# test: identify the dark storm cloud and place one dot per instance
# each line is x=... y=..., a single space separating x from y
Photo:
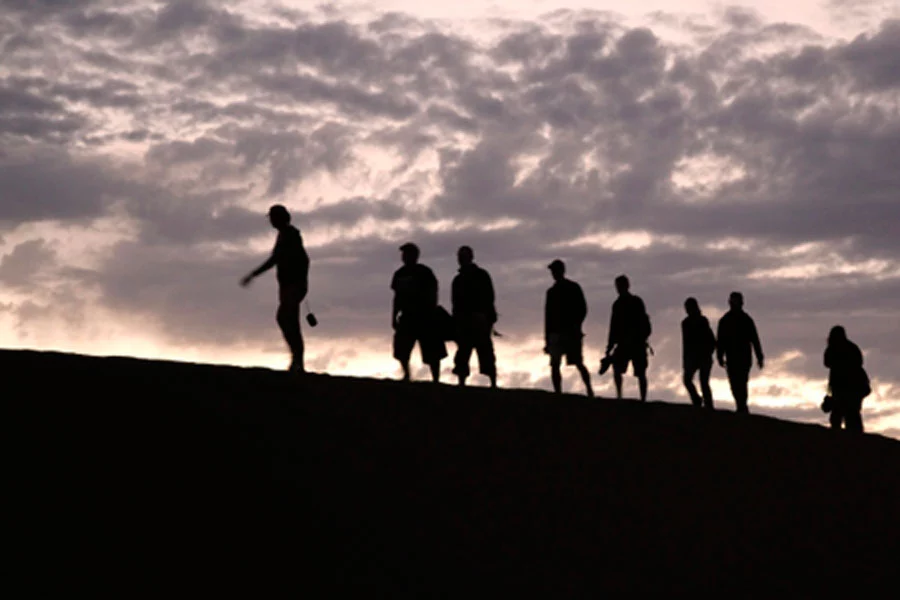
x=765 y=135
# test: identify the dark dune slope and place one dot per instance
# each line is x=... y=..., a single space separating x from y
x=141 y=474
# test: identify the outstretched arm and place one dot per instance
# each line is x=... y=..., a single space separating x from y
x=270 y=262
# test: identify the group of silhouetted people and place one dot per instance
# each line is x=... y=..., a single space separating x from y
x=418 y=318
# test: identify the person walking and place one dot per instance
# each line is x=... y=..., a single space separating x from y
x=413 y=313
x=737 y=338
x=291 y=264
x=848 y=382
x=474 y=315
x=565 y=309
x=698 y=343
x=629 y=331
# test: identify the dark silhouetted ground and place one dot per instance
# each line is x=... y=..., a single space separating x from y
x=132 y=475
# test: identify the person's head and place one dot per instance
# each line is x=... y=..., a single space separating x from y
x=837 y=334
x=465 y=256
x=279 y=216
x=736 y=300
x=409 y=252
x=557 y=269
x=622 y=284
x=692 y=307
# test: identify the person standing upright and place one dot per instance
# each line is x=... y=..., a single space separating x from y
x=291 y=261
x=737 y=340
x=698 y=343
x=848 y=381
x=629 y=330
x=564 y=312
x=413 y=313
x=474 y=316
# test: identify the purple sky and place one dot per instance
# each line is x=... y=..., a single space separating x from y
x=698 y=152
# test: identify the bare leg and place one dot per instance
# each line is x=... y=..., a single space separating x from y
x=555 y=375
x=704 y=386
x=288 y=318
x=642 y=386
x=405 y=365
x=435 y=371
x=617 y=378
x=586 y=378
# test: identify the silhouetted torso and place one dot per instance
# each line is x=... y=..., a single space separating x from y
x=416 y=290
x=292 y=261
x=473 y=293
x=737 y=339
x=628 y=322
x=698 y=341
x=565 y=308
x=845 y=362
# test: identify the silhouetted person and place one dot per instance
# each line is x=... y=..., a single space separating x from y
x=736 y=339
x=847 y=380
x=564 y=312
x=474 y=316
x=697 y=347
x=629 y=330
x=413 y=313
x=291 y=264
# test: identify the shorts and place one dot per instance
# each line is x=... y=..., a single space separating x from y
x=431 y=344
x=636 y=355
x=291 y=293
x=568 y=345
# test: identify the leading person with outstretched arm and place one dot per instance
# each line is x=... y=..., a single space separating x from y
x=291 y=262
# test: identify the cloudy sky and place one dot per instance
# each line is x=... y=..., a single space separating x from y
x=698 y=147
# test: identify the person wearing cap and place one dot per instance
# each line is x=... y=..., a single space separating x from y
x=737 y=337
x=629 y=330
x=413 y=313
x=564 y=312
x=291 y=264
x=474 y=316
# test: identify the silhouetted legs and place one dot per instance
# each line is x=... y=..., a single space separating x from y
x=586 y=378
x=707 y=400
x=408 y=332
x=638 y=359
x=738 y=378
x=288 y=318
x=847 y=412
x=475 y=335
x=556 y=375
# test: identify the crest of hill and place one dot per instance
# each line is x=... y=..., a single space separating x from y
x=209 y=476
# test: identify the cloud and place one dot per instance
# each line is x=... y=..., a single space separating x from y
x=749 y=155
x=20 y=267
